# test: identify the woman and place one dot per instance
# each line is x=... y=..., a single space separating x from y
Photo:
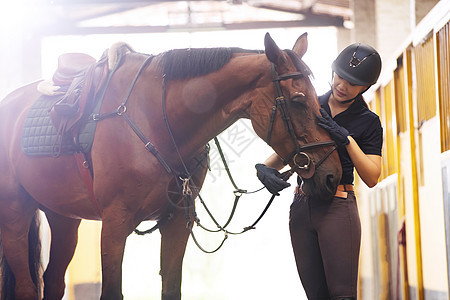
x=326 y=234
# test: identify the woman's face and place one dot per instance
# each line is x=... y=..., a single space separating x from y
x=344 y=90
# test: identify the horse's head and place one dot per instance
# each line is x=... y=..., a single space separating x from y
x=288 y=122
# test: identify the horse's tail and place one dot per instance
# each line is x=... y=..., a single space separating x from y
x=7 y=279
x=34 y=252
x=34 y=258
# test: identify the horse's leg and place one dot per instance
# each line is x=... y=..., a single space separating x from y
x=16 y=219
x=117 y=225
x=174 y=237
x=175 y=234
x=64 y=241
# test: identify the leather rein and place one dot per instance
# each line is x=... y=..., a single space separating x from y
x=302 y=162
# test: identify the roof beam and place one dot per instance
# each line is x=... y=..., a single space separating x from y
x=307 y=22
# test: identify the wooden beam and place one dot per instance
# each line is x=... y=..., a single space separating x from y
x=308 y=22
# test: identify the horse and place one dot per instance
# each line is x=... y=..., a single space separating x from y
x=157 y=114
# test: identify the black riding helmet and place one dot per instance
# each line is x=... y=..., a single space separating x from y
x=359 y=64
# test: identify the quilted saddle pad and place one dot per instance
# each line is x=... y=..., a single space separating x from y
x=39 y=135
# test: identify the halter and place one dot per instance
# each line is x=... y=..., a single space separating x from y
x=302 y=161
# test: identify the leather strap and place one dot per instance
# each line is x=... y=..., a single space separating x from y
x=85 y=173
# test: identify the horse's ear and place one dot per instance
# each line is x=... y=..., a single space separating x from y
x=301 y=45
x=273 y=52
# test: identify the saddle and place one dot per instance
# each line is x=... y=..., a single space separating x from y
x=70 y=66
x=81 y=77
x=77 y=87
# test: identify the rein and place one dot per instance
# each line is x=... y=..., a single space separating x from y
x=189 y=202
x=187 y=192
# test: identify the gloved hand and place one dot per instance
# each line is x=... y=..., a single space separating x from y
x=338 y=133
x=270 y=177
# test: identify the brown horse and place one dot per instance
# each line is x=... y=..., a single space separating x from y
x=157 y=115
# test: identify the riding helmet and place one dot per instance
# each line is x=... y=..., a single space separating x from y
x=359 y=64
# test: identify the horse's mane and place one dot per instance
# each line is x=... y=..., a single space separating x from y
x=192 y=62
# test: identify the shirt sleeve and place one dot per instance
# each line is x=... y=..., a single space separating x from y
x=372 y=140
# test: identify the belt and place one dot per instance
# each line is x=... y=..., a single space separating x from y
x=342 y=190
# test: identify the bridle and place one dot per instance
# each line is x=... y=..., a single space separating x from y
x=302 y=162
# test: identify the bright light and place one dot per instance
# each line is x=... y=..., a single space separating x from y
x=12 y=15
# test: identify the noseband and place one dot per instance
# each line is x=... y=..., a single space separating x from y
x=301 y=160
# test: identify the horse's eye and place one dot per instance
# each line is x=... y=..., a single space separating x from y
x=298 y=98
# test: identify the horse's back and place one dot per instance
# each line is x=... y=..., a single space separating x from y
x=13 y=109
x=13 y=106
x=20 y=97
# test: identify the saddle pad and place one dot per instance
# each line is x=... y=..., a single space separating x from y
x=39 y=136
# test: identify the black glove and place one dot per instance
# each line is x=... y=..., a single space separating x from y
x=270 y=177
x=338 y=133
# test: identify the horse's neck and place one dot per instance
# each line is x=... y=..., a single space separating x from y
x=218 y=99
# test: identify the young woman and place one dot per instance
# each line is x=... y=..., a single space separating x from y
x=326 y=234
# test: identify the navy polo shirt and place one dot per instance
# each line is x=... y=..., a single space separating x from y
x=363 y=125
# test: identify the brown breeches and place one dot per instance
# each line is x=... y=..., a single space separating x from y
x=326 y=238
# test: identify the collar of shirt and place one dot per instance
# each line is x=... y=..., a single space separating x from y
x=356 y=107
